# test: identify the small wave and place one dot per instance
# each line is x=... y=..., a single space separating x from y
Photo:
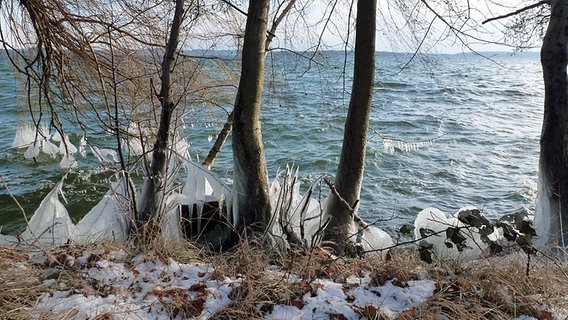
x=382 y=85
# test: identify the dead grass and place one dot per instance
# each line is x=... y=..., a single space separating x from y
x=499 y=288
x=20 y=283
x=495 y=288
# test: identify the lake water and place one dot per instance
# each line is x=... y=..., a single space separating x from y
x=476 y=122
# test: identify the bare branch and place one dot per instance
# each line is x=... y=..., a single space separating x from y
x=532 y=6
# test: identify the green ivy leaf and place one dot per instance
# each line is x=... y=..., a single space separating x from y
x=424 y=232
x=405 y=230
x=454 y=235
x=474 y=218
x=525 y=242
x=526 y=228
x=425 y=251
x=509 y=232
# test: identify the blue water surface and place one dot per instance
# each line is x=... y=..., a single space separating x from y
x=476 y=121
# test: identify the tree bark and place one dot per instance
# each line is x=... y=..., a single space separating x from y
x=550 y=218
x=352 y=162
x=250 y=187
x=224 y=134
x=154 y=185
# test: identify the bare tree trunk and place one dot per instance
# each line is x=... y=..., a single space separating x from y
x=352 y=162
x=153 y=189
x=250 y=186
x=224 y=134
x=550 y=218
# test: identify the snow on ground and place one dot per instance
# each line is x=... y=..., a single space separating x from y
x=156 y=287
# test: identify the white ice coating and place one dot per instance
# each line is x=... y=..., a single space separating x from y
x=303 y=215
x=37 y=141
x=25 y=135
x=50 y=148
x=50 y=223
x=104 y=155
x=108 y=220
x=33 y=150
x=437 y=221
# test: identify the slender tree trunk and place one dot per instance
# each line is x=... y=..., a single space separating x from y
x=153 y=189
x=224 y=134
x=250 y=186
x=551 y=215
x=219 y=142
x=352 y=162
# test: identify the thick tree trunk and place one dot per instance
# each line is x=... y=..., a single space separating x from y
x=153 y=189
x=250 y=189
x=352 y=162
x=551 y=218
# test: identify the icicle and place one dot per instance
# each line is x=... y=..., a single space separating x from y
x=181 y=145
x=50 y=223
x=542 y=216
x=202 y=186
x=406 y=146
x=134 y=146
x=82 y=144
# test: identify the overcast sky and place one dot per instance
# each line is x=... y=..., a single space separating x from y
x=399 y=31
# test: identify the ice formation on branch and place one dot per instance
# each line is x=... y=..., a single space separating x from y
x=301 y=219
x=39 y=140
x=200 y=198
x=109 y=220
x=25 y=135
x=50 y=223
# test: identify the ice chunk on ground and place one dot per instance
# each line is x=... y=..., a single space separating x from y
x=433 y=220
x=375 y=239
